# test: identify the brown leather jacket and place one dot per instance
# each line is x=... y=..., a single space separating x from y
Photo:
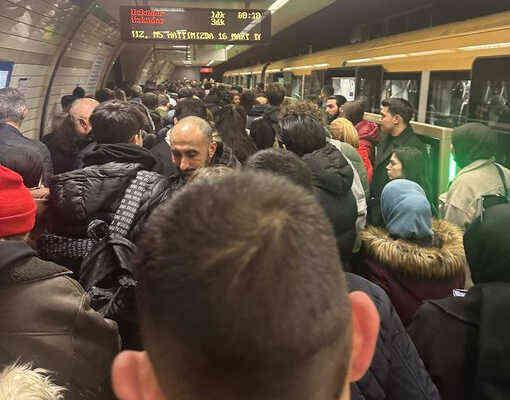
x=46 y=319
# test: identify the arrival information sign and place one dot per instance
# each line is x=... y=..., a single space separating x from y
x=198 y=25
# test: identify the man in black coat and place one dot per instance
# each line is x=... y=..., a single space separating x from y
x=72 y=136
x=30 y=158
x=332 y=175
x=264 y=129
x=79 y=196
x=185 y=108
x=464 y=341
x=397 y=371
x=397 y=132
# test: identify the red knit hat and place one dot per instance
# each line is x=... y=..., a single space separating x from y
x=17 y=207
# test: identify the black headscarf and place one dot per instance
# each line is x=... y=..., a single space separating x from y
x=487 y=246
x=473 y=141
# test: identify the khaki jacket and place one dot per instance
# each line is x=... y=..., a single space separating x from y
x=462 y=204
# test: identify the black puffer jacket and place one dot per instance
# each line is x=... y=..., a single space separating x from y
x=332 y=179
x=95 y=192
x=255 y=112
x=396 y=372
x=29 y=158
x=263 y=130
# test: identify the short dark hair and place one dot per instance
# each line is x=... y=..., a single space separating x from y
x=301 y=133
x=185 y=92
x=398 y=106
x=473 y=141
x=105 y=94
x=246 y=285
x=79 y=92
x=67 y=101
x=150 y=100
x=354 y=111
x=275 y=94
x=116 y=121
x=190 y=107
x=340 y=100
x=284 y=163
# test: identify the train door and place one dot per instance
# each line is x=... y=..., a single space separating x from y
x=448 y=99
x=489 y=100
x=343 y=81
x=313 y=85
x=368 y=86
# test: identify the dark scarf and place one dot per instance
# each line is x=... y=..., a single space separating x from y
x=120 y=152
x=487 y=246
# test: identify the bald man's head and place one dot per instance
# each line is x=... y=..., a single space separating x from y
x=192 y=145
x=80 y=113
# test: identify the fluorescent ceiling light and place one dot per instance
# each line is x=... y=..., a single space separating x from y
x=390 y=57
x=321 y=65
x=229 y=47
x=359 y=60
x=430 y=52
x=210 y=63
x=272 y=70
x=486 y=46
x=277 y=5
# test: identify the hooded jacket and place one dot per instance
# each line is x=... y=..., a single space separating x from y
x=409 y=272
x=463 y=201
x=46 y=320
x=255 y=112
x=396 y=371
x=332 y=180
x=473 y=329
x=29 y=158
x=263 y=130
x=95 y=192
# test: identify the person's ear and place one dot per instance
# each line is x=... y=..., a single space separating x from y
x=397 y=120
x=365 y=329
x=175 y=121
x=212 y=149
x=133 y=377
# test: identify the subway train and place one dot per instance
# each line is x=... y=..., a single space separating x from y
x=162 y=237
x=451 y=74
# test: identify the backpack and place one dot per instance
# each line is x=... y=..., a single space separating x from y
x=106 y=270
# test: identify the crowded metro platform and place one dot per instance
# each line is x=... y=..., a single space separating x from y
x=269 y=224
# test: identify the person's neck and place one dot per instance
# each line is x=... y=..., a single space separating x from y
x=398 y=130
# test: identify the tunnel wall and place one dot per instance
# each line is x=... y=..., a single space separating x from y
x=61 y=39
x=30 y=36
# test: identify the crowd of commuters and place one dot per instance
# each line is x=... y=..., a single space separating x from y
x=187 y=240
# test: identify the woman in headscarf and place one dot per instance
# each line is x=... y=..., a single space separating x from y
x=464 y=341
x=474 y=148
x=414 y=258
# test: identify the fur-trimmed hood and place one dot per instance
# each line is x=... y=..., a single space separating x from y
x=441 y=261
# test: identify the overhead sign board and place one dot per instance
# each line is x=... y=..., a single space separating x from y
x=196 y=25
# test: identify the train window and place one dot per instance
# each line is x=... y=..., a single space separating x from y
x=5 y=74
x=405 y=86
x=448 y=98
x=489 y=100
x=313 y=85
x=296 y=83
x=248 y=81
x=368 y=86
